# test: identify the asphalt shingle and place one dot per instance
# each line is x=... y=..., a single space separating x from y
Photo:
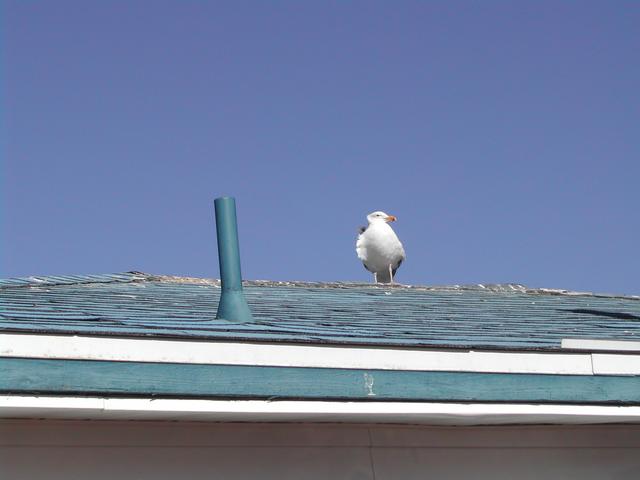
x=501 y=317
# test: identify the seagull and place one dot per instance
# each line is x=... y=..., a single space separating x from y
x=379 y=248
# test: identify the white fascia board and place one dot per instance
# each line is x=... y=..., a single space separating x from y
x=278 y=355
x=311 y=411
x=611 y=364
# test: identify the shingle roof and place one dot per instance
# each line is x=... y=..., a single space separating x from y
x=492 y=317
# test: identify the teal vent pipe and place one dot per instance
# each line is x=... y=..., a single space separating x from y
x=233 y=306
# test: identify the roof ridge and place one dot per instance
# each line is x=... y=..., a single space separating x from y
x=52 y=280
x=487 y=287
x=136 y=276
x=494 y=287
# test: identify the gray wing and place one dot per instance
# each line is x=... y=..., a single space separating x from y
x=361 y=230
x=394 y=269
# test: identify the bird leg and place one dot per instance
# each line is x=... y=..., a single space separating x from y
x=375 y=277
x=390 y=273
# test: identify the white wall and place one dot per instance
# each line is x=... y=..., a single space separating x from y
x=69 y=450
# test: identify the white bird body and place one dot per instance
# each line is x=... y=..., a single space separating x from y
x=379 y=248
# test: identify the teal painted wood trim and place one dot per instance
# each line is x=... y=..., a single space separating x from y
x=18 y=375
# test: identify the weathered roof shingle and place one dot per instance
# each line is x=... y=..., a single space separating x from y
x=480 y=317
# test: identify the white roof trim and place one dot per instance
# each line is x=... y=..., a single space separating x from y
x=310 y=411
x=611 y=364
x=278 y=355
x=600 y=345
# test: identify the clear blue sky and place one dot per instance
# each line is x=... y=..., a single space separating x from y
x=505 y=136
